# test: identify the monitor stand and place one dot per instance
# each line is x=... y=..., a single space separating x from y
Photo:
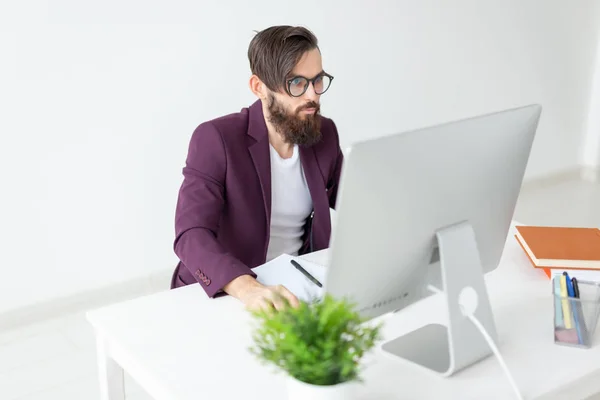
x=446 y=350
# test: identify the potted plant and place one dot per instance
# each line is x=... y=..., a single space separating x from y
x=318 y=344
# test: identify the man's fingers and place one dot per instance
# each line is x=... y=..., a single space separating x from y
x=293 y=300
x=262 y=304
x=277 y=298
x=279 y=303
x=267 y=306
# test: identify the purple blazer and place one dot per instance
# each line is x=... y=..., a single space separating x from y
x=223 y=210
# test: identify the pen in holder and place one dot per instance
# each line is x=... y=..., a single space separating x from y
x=576 y=310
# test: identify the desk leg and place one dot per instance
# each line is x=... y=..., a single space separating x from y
x=110 y=373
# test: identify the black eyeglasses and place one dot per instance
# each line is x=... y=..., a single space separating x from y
x=298 y=85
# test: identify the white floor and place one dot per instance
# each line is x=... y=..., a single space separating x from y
x=55 y=360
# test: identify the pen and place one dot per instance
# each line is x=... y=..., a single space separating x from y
x=569 y=283
x=575 y=307
x=575 y=287
x=305 y=273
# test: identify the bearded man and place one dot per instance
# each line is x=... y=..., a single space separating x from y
x=259 y=183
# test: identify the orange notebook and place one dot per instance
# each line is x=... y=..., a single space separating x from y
x=560 y=247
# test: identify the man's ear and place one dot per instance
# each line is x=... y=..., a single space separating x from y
x=257 y=87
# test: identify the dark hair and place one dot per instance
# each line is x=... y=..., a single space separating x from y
x=274 y=52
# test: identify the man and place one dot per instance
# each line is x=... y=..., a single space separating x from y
x=259 y=183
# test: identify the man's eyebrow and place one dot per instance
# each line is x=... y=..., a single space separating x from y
x=297 y=75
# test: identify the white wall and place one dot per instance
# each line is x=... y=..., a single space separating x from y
x=98 y=101
x=590 y=146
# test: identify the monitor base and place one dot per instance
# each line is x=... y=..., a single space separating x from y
x=447 y=350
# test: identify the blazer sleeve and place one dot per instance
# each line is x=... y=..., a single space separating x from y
x=334 y=180
x=199 y=206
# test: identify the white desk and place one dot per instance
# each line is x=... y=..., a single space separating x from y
x=180 y=345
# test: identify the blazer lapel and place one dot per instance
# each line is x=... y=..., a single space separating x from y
x=316 y=187
x=259 y=151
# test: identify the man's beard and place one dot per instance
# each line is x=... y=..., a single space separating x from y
x=294 y=128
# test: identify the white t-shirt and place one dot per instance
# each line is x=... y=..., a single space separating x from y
x=291 y=204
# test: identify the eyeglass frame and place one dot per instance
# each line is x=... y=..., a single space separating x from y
x=308 y=83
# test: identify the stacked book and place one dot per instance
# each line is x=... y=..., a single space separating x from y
x=558 y=249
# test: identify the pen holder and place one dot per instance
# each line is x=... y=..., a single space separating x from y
x=575 y=318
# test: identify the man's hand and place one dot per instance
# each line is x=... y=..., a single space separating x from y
x=256 y=296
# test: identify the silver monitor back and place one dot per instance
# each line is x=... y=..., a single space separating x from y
x=398 y=191
x=430 y=210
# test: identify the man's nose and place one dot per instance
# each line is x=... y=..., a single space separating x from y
x=310 y=94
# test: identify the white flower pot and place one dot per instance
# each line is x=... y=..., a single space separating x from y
x=298 y=390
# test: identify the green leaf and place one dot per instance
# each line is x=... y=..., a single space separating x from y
x=319 y=342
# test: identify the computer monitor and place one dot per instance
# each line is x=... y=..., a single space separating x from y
x=430 y=208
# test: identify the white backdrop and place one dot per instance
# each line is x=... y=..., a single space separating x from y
x=98 y=102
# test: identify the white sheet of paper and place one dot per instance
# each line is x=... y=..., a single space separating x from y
x=280 y=271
